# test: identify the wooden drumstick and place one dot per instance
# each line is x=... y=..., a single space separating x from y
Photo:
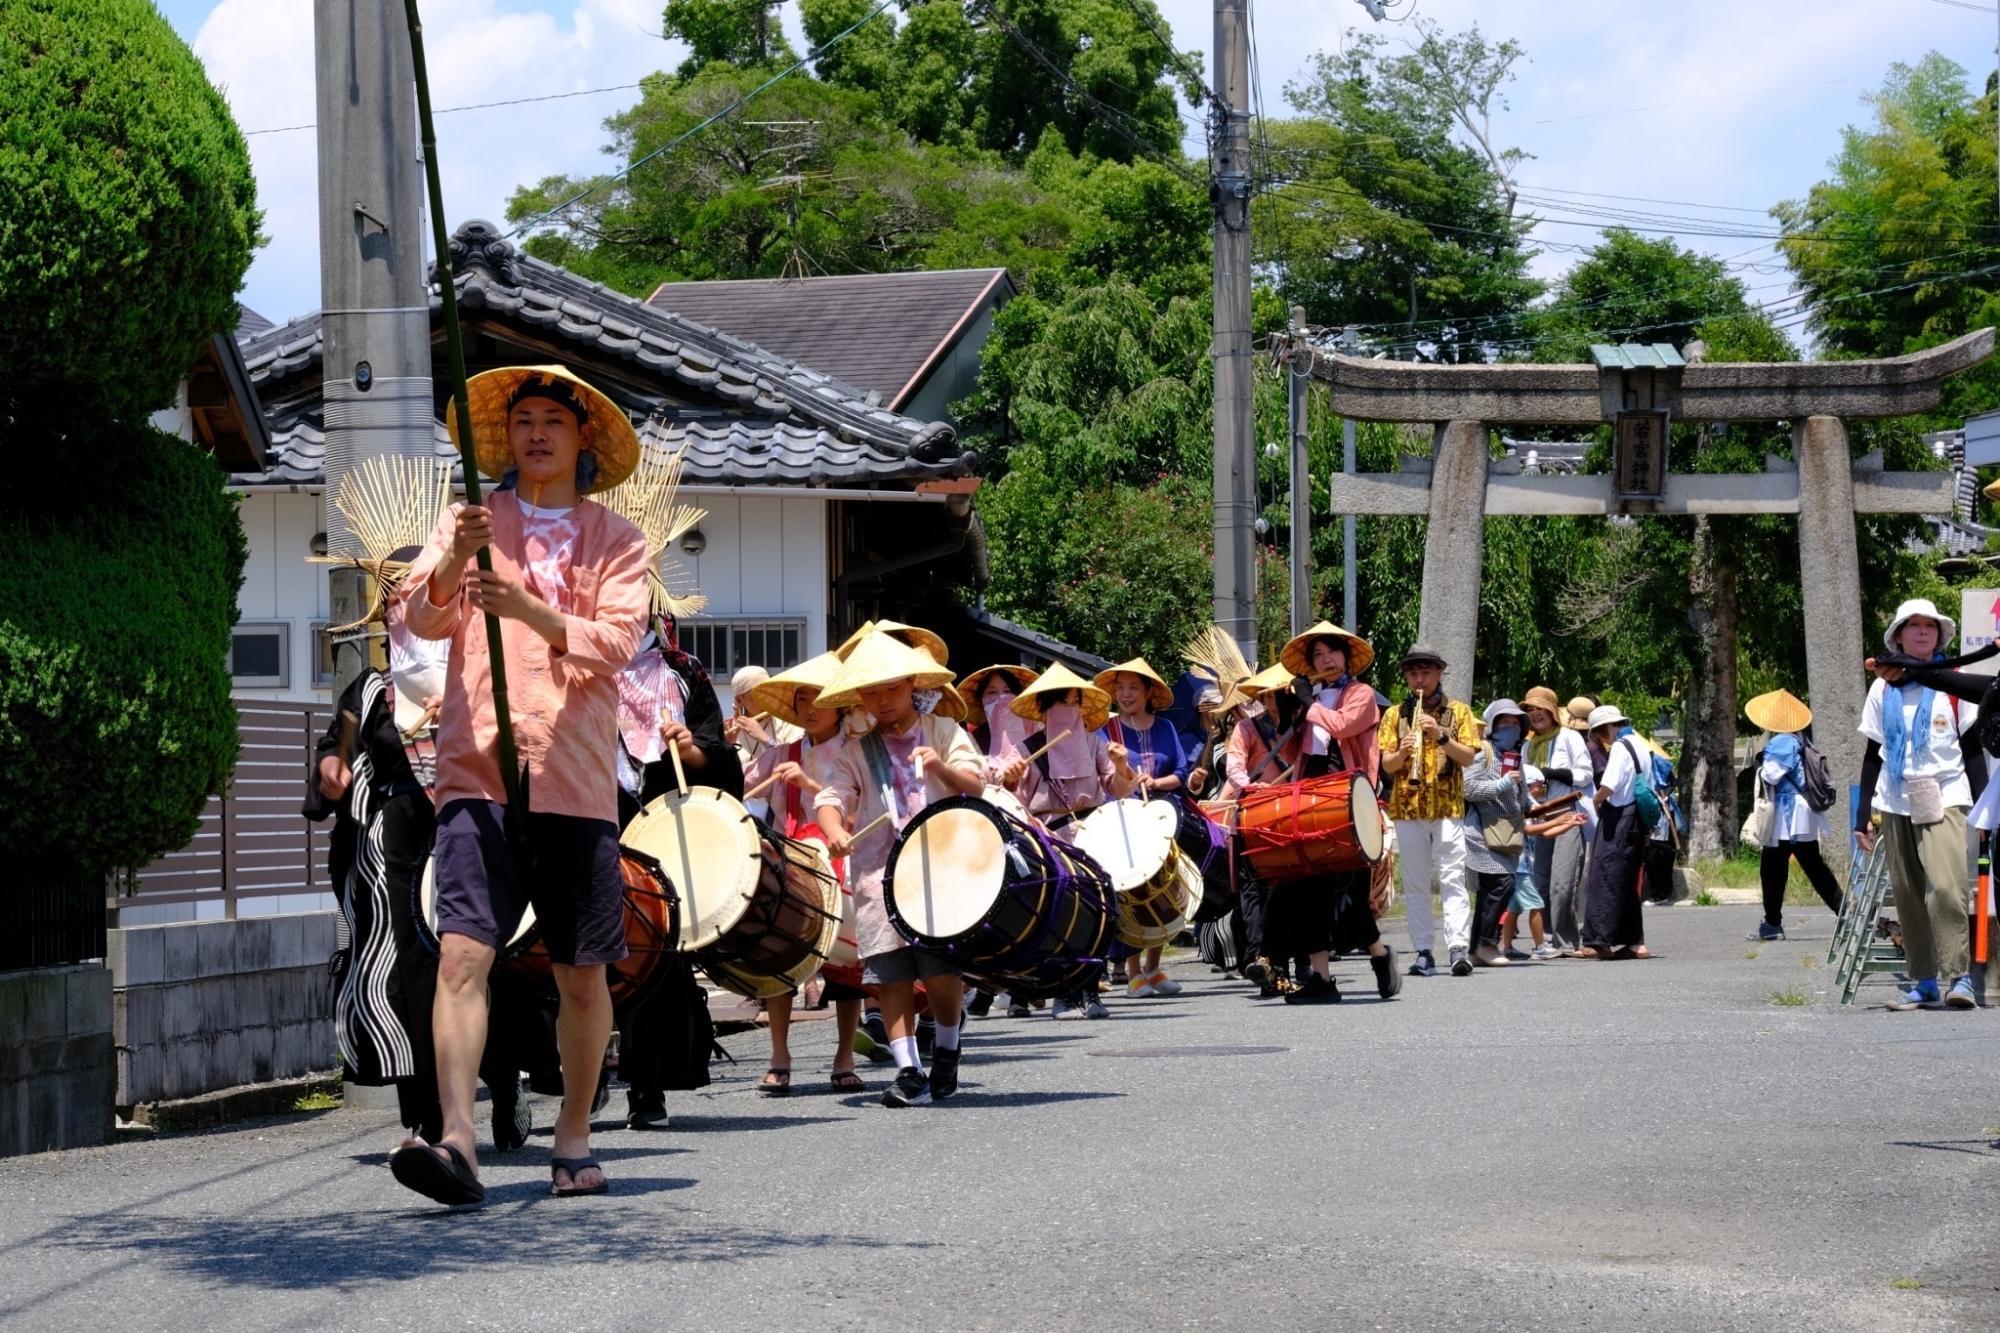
x=760 y=788
x=1031 y=758
x=868 y=828
x=680 y=774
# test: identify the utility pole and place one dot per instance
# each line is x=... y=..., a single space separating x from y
x=374 y=303
x=1298 y=384
x=1350 y=609
x=1235 y=450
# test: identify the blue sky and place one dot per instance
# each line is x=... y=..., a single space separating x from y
x=1727 y=104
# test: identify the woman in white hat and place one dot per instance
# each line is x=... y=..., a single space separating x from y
x=1613 y=924
x=1795 y=828
x=1914 y=780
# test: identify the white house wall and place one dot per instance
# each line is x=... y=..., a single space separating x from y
x=278 y=584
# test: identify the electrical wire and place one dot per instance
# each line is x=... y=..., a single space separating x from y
x=474 y=106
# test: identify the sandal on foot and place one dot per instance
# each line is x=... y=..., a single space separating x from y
x=777 y=1083
x=448 y=1180
x=576 y=1166
x=846 y=1080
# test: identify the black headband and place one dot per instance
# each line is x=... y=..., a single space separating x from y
x=560 y=392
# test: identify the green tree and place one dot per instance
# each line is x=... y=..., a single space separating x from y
x=130 y=213
x=129 y=226
x=738 y=31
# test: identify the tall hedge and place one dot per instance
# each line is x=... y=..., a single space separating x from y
x=115 y=719
x=127 y=209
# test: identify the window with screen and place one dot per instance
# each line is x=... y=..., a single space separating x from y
x=260 y=655
x=725 y=645
x=322 y=655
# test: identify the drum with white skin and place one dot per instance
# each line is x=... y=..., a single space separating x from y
x=1133 y=840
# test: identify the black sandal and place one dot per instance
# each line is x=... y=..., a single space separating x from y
x=576 y=1166
x=447 y=1180
x=846 y=1080
x=781 y=1088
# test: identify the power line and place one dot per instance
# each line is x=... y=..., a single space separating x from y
x=476 y=106
x=729 y=110
x=1140 y=9
x=1966 y=4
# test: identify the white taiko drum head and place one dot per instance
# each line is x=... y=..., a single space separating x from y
x=949 y=869
x=1368 y=830
x=1131 y=839
x=1005 y=800
x=707 y=845
x=427 y=900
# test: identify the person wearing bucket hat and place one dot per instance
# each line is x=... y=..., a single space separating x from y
x=1556 y=863
x=1915 y=782
x=1498 y=831
x=569 y=587
x=1153 y=752
x=904 y=761
x=1791 y=827
x=1613 y=922
x=1425 y=745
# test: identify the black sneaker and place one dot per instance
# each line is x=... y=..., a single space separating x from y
x=1315 y=990
x=982 y=1004
x=1257 y=970
x=1423 y=965
x=876 y=1028
x=1020 y=1009
x=911 y=1088
x=646 y=1110
x=1768 y=933
x=1461 y=963
x=944 y=1074
x=1388 y=981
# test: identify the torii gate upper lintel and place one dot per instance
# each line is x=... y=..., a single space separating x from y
x=1823 y=485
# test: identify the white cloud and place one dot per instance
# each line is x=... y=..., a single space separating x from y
x=260 y=52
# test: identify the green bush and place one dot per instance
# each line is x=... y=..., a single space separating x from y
x=129 y=212
x=115 y=717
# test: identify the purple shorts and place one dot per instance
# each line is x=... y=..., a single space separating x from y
x=573 y=883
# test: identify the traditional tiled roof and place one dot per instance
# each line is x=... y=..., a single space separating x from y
x=763 y=418
x=882 y=331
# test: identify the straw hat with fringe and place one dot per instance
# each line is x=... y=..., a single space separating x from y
x=392 y=504
x=881 y=660
x=1778 y=712
x=914 y=635
x=778 y=695
x=1059 y=680
x=613 y=440
x=650 y=500
x=1214 y=653
x=1297 y=655
x=1159 y=694
x=973 y=686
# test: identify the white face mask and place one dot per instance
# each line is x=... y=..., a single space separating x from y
x=416 y=669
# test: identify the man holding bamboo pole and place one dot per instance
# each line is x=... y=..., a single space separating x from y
x=568 y=584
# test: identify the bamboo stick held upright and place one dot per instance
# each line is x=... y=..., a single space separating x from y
x=510 y=766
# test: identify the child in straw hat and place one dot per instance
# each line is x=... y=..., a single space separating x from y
x=1560 y=754
x=903 y=762
x=1794 y=828
x=1153 y=753
x=569 y=586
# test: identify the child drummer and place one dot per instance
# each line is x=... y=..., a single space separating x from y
x=879 y=781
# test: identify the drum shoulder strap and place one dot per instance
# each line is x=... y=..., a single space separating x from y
x=876 y=753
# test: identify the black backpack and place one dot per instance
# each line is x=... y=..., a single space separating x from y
x=1819 y=790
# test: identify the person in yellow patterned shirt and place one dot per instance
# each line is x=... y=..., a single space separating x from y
x=1426 y=744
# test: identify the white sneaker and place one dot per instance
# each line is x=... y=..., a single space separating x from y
x=1063 y=1009
x=1544 y=952
x=1163 y=984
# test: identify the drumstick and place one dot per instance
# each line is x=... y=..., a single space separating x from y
x=867 y=828
x=680 y=774
x=760 y=788
x=1029 y=759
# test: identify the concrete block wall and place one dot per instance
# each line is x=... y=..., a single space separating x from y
x=56 y=1070
x=207 y=1005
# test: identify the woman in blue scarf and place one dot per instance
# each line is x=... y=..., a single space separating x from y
x=1795 y=828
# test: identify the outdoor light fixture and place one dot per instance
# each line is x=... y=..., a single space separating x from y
x=364 y=376
x=317 y=546
x=694 y=543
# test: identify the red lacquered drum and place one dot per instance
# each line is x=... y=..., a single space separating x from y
x=1318 y=827
x=652 y=928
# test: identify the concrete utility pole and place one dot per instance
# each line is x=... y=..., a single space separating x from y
x=1298 y=381
x=1235 y=449
x=374 y=309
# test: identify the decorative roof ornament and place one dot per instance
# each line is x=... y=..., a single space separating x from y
x=480 y=244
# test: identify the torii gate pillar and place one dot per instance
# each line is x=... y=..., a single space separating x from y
x=1830 y=579
x=1455 y=550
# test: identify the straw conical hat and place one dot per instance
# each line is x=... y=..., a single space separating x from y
x=974 y=685
x=649 y=500
x=778 y=694
x=1158 y=693
x=952 y=704
x=914 y=635
x=1059 y=679
x=879 y=660
x=1274 y=677
x=614 y=441
x=1779 y=711
x=1296 y=655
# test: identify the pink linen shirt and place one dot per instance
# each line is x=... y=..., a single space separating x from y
x=564 y=704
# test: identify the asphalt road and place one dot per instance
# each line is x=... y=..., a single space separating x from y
x=1576 y=1145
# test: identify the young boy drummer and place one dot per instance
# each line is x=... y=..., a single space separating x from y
x=901 y=764
x=569 y=586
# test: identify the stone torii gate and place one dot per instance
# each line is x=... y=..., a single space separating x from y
x=1460 y=484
